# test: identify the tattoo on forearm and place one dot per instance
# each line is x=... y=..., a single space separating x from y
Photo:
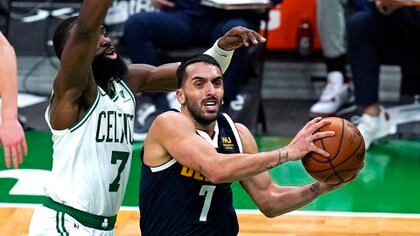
x=314 y=188
x=280 y=159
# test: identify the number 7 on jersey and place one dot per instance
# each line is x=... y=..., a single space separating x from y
x=207 y=191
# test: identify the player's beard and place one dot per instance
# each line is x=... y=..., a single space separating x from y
x=198 y=115
x=105 y=69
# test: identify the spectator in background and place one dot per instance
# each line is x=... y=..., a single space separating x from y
x=386 y=34
x=182 y=24
x=337 y=96
x=11 y=131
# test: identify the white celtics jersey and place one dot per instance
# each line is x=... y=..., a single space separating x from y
x=91 y=160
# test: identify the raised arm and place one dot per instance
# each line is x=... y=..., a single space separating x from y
x=270 y=198
x=163 y=78
x=174 y=135
x=74 y=87
x=11 y=132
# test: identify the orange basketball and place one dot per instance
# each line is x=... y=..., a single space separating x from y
x=346 y=149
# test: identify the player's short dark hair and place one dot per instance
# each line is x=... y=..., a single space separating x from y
x=61 y=34
x=181 y=71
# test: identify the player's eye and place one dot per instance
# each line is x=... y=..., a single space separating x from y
x=217 y=83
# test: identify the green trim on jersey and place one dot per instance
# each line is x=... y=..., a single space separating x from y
x=115 y=96
x=87 y=114
x=129 y=91
x=102 y=92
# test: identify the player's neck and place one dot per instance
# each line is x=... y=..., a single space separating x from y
x=205 y=127
x=209 y=129
x=107 y=87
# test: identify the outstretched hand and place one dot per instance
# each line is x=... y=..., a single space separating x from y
x=163 y=4
x=303 y=142
x=238 y=36
x=386 y=7
x=14 y=143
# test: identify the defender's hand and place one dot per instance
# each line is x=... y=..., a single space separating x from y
x=162 y=4
x=303 y=142
x=14 y=143
x=386 y=7
x=238 y=36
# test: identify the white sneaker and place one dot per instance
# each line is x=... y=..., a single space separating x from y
x=375 y=127
x=337 y=97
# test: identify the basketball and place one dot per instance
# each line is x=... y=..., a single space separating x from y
x=346 y=149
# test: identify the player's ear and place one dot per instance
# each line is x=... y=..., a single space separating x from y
x=180 y=96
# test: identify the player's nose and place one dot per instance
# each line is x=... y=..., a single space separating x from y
x=105 y=41
x=210 y=89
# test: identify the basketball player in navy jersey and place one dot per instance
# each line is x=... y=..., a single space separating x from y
x=191 y=157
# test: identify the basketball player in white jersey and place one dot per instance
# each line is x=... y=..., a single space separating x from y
x=91 y=115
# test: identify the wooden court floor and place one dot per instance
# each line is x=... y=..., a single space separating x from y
x=15 y=221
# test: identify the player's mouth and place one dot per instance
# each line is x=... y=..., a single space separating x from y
x=211 y=105
x=111 y=53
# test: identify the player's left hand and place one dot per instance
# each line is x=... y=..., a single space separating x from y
x=387 y=7
x=14 y=142
x=325 y=188
x=238 y=36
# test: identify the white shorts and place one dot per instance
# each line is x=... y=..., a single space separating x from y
x=46 y=221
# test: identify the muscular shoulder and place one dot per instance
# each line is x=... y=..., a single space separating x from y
x=248 y=141
x=171 y=122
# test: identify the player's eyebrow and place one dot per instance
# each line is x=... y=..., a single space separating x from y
x=202 y=78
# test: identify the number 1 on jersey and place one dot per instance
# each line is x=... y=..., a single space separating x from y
x=207 y=191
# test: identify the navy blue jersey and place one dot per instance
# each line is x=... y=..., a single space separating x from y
x=175 y=200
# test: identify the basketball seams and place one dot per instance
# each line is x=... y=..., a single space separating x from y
x=333 y=167
x=313 y=158
x=338 y=152
x=351 y=155
x=345 y=160
x=341 y=140
x=323 y=146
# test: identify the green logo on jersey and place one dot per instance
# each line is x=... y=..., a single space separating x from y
x=122 y=94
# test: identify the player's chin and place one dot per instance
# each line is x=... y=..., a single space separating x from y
x=211 y=116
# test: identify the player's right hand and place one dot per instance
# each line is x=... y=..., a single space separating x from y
x=238 y=36
x=386 y=7
x=162 y=4
x=303 y=142
x=14 y=143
